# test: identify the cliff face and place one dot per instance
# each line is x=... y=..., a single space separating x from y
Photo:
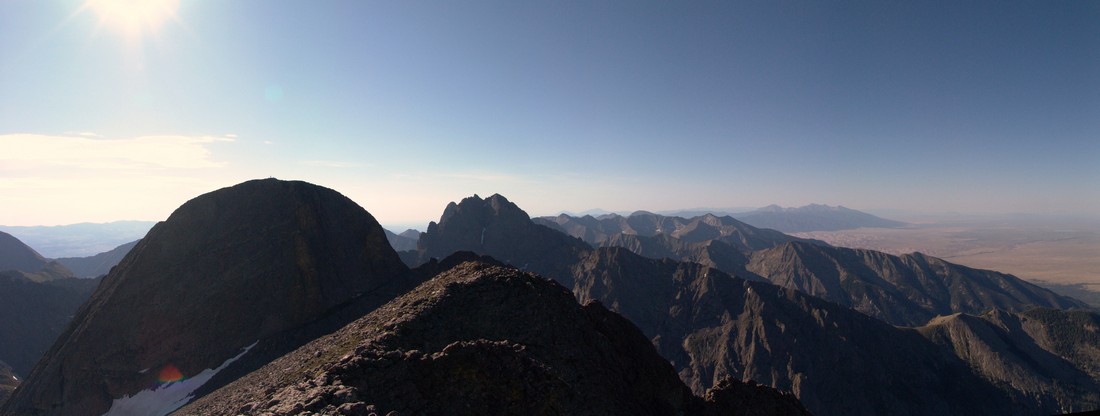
x=712 y=326
x=479 y=339
x=226 y=270
x=1050 y=356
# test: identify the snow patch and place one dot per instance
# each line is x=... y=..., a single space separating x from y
x=165 y=399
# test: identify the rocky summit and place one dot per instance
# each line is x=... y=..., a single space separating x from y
x=224 y=272
x=481 y=339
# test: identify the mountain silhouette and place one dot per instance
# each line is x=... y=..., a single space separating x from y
x=18 y=257
x=813 y=217
x=99 y=264
x=708 y=227
x=225 y=271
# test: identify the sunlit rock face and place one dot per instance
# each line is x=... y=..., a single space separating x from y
x=226 y=269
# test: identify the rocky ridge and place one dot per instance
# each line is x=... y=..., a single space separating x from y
x=99 y=264
x=903 y=290
x=597 y=231
x=480 y=339
x=20 y=258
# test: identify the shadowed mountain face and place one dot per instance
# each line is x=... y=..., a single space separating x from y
x=8 y=381
x=813 y=218
x=837 y=361
x=401 y=242
x=226 y=269
x=907 y=290
x=490 y=338
x=1050 y=356
x=99 y=264
x=16 y=256
x=597 y=231
x=33 y=314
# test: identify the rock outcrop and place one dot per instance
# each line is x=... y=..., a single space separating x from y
x=495 y=226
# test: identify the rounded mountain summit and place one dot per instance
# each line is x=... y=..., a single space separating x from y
x=227 y=269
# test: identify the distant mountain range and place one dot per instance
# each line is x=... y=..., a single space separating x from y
x=79 y=240
x=275 y=297
x=813 y=218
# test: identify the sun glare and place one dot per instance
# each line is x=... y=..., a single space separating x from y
x=133 y=17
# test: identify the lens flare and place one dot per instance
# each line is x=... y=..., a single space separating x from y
x=133 y=17
x=169 y=374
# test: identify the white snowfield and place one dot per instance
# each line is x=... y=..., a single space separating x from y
x=168 y=397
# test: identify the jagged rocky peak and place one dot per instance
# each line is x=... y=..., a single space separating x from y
x=493 y=340
x=497 y=227
x=225 y=270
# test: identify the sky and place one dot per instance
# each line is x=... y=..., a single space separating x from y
x=125 y=109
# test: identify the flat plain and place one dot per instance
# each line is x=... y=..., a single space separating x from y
x=1062 y=254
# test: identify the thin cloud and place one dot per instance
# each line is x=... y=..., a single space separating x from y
x=331 y=164
x=32 y=152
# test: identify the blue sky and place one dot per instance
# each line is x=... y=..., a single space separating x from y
x=565 y=105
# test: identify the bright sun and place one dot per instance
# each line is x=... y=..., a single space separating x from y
x=133 y=17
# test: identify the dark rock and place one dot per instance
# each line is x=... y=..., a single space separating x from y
x=226 y=269
x=33 y=314
x=477 y=339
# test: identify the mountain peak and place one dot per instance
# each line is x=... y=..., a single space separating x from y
x=226 y=269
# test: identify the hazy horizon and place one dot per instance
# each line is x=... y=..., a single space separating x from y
x=111 y=111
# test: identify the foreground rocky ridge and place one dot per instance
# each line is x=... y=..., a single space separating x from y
x=480 y=339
